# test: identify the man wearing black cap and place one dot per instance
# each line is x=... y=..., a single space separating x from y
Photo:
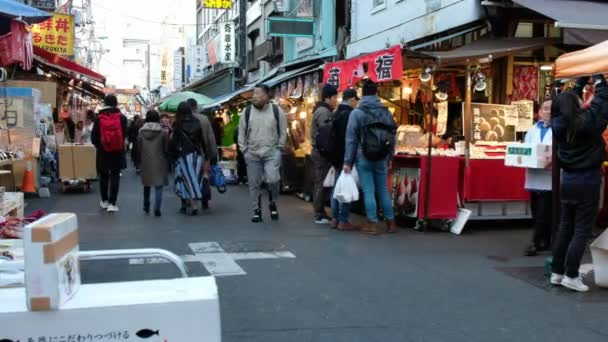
x=322 y=115
x=341 y=211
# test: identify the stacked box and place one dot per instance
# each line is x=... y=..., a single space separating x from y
x=52 y=270
x=77 y=162
x=533 y=156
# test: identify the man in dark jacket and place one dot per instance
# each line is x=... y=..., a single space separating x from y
x=341 y=211
x=109 y=163
x=322 y=115
x=580 y=149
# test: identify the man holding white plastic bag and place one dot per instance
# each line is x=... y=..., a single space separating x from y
x=370 y=140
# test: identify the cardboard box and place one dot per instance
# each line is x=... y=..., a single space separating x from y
x=533 y=156
x=52 y=271
x=176 y=310
x=77 y=162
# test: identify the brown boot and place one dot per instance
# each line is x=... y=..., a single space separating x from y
x=391 y=227
x=334 y=224
x=370 y=228
x=348 y=226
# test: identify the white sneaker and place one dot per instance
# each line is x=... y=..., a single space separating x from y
x=104 y=205
x=575 y=284
x=556 y=279
x=113 y=209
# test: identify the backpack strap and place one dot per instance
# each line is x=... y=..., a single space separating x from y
x=275 y=110
x=247 y=116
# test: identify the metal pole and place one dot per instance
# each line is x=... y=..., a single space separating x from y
x=427 y=190
x=467 y=116
x=243 y=39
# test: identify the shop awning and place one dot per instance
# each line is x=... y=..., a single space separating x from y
x=13 y=9
x=571 y=13
x=66 y=65
x=218 y=101
x=485 y=49
x=291 y=74
x=585 y=62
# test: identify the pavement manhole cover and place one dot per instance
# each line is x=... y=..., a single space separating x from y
x=252 y=246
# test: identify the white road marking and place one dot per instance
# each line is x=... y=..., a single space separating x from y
x=217 y=262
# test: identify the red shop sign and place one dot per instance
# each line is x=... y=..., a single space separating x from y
x=382 y=66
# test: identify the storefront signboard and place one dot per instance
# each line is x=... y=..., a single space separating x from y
x=217 y=4
x=198 y=61
x=382 y=66
x=55 y=35
x=525 y=115
x=493 y=122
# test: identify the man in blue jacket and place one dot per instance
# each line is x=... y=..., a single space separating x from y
x=373 y=171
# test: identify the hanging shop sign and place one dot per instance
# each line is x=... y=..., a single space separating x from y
x=178 y=75
x=382 y=66
x=198 y=61
x=55 y=34
x=290 y=27
x=217 y=4
x=164 y=66
x=227 y=43
x=493 y=122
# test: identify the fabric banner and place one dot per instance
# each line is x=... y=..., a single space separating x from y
x=382 y=66
x=525 y=82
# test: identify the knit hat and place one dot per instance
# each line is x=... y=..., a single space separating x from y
x=328 y=91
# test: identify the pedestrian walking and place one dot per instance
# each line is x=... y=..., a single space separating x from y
x=580 y=148
x=322 y=115
x=108 y=136
x=539 y=184
x=153 y=143
x=167 y=125
x=209 y=143
x=370 y=143
x=187 y=150
x=134 y=128
x=87 y=129
x=341 y=211
x=262 y=135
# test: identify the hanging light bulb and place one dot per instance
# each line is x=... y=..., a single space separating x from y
x=426 y=76
x=303 y=115
x=407 y=90
x=480 y=84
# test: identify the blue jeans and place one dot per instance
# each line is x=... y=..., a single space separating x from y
x=373 y=177
x=158 y=197
x=340 y=210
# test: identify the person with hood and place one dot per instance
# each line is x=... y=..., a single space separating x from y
x=153 y=154
x=262 y=136
x=341 y=211
x=209 y=142
x=370 y=143
x=108 y=136
x=322 y=115
x=580 y=149
x=188 y=153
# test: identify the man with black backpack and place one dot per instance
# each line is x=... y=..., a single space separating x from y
x=322 y=119
x=262 y=135
x=370 y=142
x=108 y=136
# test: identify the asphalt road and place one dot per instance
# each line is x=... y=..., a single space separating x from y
x=344 y=286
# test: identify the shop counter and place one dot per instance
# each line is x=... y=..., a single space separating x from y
x=159 y=310
x=489 y=180
x=409 y=179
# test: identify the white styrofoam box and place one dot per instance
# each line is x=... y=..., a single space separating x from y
x=52 y=270
x=175 y=310
x=462 y=218
x=599 y=254
x=533 y=156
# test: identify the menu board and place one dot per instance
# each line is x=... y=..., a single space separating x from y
x=493 y=122
x=525 y=115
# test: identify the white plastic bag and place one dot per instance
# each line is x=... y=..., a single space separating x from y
x=355 y=175
x=346 y=190
x=330 y=179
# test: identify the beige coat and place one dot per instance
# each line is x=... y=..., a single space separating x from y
x=153 y=144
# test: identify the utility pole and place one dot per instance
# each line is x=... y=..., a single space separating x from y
x=243 y=39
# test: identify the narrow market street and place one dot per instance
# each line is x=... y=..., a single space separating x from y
x=296 y=281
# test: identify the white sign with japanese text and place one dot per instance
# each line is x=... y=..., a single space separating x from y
x=227 y=43
x=198 y=62
x=178 y=79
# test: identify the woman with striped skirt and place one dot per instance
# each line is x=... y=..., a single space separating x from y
x=189 y=159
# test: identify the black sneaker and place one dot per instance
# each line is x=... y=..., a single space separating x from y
x=274 y=212
x=157 y=213
x=147 y=211
x=257 y=216
x=205 y=205
x=322 y=220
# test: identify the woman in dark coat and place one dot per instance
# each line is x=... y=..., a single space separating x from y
x=189 y=160
x=153 y=154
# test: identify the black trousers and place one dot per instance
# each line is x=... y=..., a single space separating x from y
x=542 y=213
x=109 y=179
x=579 y=206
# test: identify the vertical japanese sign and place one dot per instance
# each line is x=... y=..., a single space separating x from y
x=217 y=3
x=164 y=66
x=55 y=35
x=305 y=9
x=198 y=61
x=227 y=42
x=382 y=66
x=178 y=64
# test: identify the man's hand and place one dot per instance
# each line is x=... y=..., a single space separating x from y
x=347 y=169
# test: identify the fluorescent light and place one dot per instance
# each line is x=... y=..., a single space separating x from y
x=546 y=67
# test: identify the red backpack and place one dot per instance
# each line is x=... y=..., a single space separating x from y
x=110 y=127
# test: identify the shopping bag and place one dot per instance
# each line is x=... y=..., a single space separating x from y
x=330 y=179
x=346 y=190
x=218 y=179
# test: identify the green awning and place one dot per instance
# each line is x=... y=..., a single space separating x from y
x=170 y=104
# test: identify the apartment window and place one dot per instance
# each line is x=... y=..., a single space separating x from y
x=378 y=5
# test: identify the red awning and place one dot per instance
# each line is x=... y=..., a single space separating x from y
x=66 y=65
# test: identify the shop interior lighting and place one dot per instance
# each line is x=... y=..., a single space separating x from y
x=441 y=96
x=480 y=82
x=293 y=110
x=407 y=90
x=310 y=100
x=303 y=115
x=546 y=67
x=48 y=75
x=426 y=76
